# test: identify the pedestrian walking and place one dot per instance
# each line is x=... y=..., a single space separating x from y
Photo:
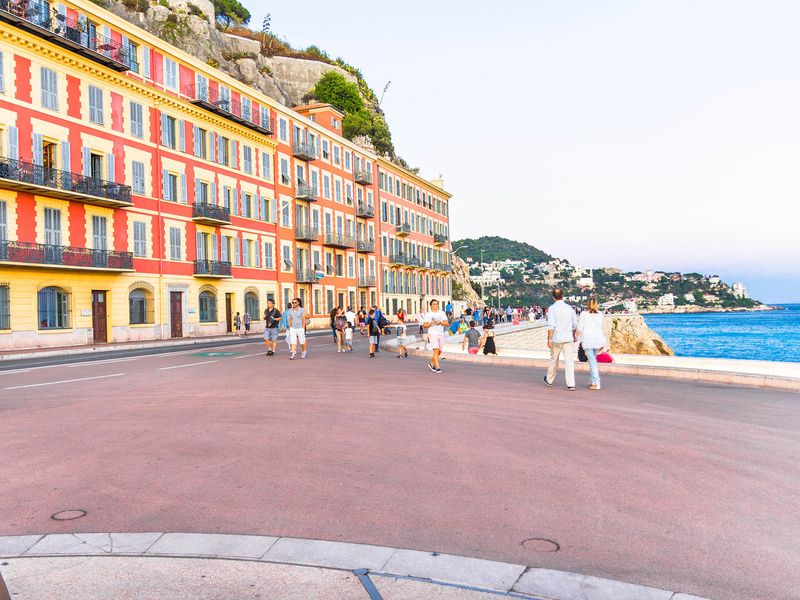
x=374 y=331
x=401 y=334
x=348 y=338
x=362 y=320
x=247 y=321
x=472 y=339
x=562 y=325
x=237 y=324
x=435 y=320
x=334 y=311
x=382 y=324
x=298 y=319
x=339 y=325
x=592 y=339
x=272 y=320
x=350 y=316
x=448 y=309
x=487 y=341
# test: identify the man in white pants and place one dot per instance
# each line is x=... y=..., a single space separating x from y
x=298 y=319
x=562 y=325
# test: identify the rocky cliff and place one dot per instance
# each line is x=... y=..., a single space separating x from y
x=462 y=289
x=629 y=334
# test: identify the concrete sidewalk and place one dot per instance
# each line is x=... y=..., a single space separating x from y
x=97 y=566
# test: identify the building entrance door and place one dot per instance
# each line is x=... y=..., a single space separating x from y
x=176 y=314
x=228 y=313
x=99 y=323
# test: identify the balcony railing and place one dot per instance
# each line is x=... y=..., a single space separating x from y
x=365 y=211
x=210 y=214
x=304 y=191
x=397 y=259
x=367 y=246
x=304 y=150
x=212 y=268
x=210 y=99
x=445 y=267
x=306 y=233
x=439 y=239
x=363 y=177
x=366 y=281
x=46 y=22
x=338 y=240
x=305 y=276
x=23 y=175
x=67 y=257
x=412 y=261
x=403 y=230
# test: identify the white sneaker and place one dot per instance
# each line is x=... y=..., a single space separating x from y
x=291 y=356
x=303 y=355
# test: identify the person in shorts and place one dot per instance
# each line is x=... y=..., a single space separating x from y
x=247 y=322
x=298 y=319
x=272 y=321
x=374 y=330
x=401 y=335
x=348 y=337
x=472 y=339
x=435 y=320
x=237 y=324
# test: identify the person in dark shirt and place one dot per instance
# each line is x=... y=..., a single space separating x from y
x=272 y=321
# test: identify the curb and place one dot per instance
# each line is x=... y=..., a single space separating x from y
x=477 y=574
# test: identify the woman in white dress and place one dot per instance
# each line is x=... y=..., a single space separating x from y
x=592 y=338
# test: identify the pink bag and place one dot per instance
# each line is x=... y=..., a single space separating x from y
x=604 y=357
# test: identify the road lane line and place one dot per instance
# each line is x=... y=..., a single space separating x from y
x=207 y=362
x=87 y=363
x=14 y=371
x=249 y=355
x=30 y=385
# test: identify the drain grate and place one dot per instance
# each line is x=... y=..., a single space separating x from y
x=541 y=545
x=68 y=515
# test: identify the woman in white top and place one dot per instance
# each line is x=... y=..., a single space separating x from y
x=592 y=338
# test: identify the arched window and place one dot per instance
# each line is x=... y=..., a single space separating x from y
x=208 y=307
x=251 y=305
x=53 y=308
x=140 y=306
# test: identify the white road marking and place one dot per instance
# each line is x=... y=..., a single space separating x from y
x=87 y=363
x=30 y=385
x=207 y=362
x=249 y=355
x=14 y=371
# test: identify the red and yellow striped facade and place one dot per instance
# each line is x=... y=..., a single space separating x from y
x=146 y=195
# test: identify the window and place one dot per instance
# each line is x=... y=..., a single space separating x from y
x=285 y=214
x=95 y=105
x=208 y=307
x=49 y=89
x=266 y=166
x=137 y=121
x=138 y=177
x=246 y=253
x=223 y=151
x=140 y=307
x=251 y=305
x=168 y=129
x=337 y=188
x=247 y=109
x=174 y=243
x=132 y=58
x=139 y=238
x=347 y=160
x=283 y=130
x=3 y=223
x=269 y=255
x=286 y=257
x=285 y=179
x=5 y=307
x=247 y=205
x=170 y=74
x=170 y=191
x=336 y=156
x=325 y=150
x=53 y=308
x=99 y=237
x=2 y=76
x=326 y=186
x=52 y=227
x=247 y=159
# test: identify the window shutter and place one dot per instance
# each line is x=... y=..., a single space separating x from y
x=274 y=210
x=258 y=202
x=111 y=166
x=165 y=189
x=213 y=190
x=2 y=77
x=37 y=149
x=258 y=255
x=236 y=197
x=182 y=135
x=13 y=143
x=234 y=154
x=107 y=36
x=183 y=188
x=66 y=159
x=87 y=161
x=223 y=254
x=220 y=151
x=197 y=190
x=214 y=247
x=236 y=251
x=146 y=62
x=84 y=28
x=196 y=137
x=163 y=129
x=199 y=250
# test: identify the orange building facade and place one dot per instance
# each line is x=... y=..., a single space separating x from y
x=146 y=195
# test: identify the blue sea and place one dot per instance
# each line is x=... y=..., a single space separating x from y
x=767 y=335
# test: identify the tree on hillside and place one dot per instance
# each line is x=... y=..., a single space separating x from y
x=231 y=12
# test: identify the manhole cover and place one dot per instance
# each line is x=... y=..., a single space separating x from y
x=541 y=545
x=68 y=515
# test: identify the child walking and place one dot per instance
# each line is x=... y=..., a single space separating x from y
x=348 y=338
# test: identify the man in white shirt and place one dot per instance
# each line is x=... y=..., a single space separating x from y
x=435 y=321
x=350 y=316
x=562 y=325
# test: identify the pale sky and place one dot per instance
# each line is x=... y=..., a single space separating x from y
x=642 y=135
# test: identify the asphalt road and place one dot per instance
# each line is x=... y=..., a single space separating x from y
x=680 y=485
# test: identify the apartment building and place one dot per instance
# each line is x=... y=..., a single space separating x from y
x=145 y=195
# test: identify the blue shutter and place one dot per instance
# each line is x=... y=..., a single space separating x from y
x=111 y=166
x=146 y=62
x=38 y=158
x=214 y=246
x=199 y=246
x=237 y=197
x=220 y=152
x=213 y=188
x=182 y=135
x=163 y=129
x=13 y=143
x=196 y=138
x=257 y=200
x=165 y=189
x=197 y=189
x=234 y=154
x=66 y=159
x=183 y=187
x=87 y=161
x=2 y=78
x=84 y=28
x=107 y=36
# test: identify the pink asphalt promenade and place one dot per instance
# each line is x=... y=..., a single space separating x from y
x=677 y=485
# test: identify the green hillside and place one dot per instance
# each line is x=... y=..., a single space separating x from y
x=499 y=248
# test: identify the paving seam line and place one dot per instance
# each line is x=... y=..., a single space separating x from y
x=440 y=574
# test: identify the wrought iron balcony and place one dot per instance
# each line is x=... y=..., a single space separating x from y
x=304 y=150
x=210 y=99
x=444 y=267
x=439 y=239
x=46 y=22
x=210 y=214
x=337 y=240
x=304 y=191
x=305 y=233
x=366 y=281
x=412 y=261
x=212 y=268
x=305 y=276
x=367 y=246
x=66 y=257
x=397 y=259
x=26 y=176
x=363 y=177
x=403 y=230
x=365 y=211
